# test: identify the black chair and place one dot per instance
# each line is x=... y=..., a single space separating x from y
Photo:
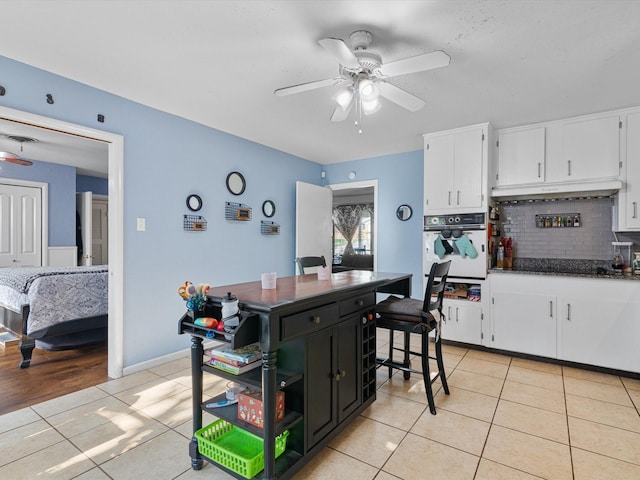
x=304 y=262
x=410 y=315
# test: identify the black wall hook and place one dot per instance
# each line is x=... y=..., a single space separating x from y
x=49 y=99
x=2 y=91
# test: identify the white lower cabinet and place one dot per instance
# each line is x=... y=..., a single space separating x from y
x=463 y=321
x=523 y=322
x=599 y=323
x=583 y=320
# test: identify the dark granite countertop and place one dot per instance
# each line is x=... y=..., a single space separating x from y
x=565 y=268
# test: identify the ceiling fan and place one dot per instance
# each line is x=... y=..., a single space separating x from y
x=11 y=157
x=363 y=76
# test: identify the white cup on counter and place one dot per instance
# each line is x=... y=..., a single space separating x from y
x=324 y=273
x=268 y=280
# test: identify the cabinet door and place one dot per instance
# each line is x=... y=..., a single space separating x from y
x=463 y=322
x=630 y=195
x=521 y=157
x=349 y=367
x=467 y=170
x=321 y=387
x=438 y=172
x=584 y=150
x=600 y=329
x=524 y=322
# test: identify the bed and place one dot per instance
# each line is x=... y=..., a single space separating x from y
x=54 y=308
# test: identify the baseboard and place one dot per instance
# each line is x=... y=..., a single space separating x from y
x=154 y=362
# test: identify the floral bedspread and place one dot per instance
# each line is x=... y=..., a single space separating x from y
x=57 y=295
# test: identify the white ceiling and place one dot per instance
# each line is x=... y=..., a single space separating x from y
x=218 y=62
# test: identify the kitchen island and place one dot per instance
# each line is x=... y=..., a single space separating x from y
x=318 y=347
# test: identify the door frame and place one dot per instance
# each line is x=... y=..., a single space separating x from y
x=44 y=206
x=116 y=222
x=362 y=184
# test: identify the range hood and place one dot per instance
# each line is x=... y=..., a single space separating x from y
x=588 y=188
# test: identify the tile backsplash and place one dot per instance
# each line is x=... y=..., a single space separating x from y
x=592 y=240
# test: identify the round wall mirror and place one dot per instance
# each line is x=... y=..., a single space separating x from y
x=404 y=212
x=236 y=183
x=269 y=208
x=194 y=203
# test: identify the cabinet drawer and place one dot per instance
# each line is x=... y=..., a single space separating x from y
x=308 y=321
x=357 y=303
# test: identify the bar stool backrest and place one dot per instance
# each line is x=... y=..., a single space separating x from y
x=435 y=287
x=304 y=262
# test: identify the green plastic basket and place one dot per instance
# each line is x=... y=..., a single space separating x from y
x=234 y=448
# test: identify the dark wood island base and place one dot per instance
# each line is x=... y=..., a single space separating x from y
x=318 y=341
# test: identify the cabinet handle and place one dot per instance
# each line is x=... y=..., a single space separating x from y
x=551 y=308
x=340 y=374
x=458 y=197
x=316 y=319
x=635 y=209
x=569 y=167
x=538 y=169
x=568 y=311
x=360 y=303
x=449 y=198
x=448 y=314
x=456 y=314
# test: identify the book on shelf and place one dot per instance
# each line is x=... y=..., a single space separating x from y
x=233 y=369
x=242 y=355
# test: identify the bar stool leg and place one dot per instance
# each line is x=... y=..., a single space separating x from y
x=426 y=375
x=443 y=376
x=391 y=332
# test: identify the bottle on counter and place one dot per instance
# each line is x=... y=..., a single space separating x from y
x=636 y=263
x=500 y=260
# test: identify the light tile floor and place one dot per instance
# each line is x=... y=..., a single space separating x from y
x=506 y=418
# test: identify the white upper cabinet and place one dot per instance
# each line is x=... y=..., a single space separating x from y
x=455 y=170
x=583 y=149
x=629 y=197
x=521 y=155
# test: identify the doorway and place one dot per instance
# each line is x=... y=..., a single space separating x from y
x=361 y=193
x=115 y=220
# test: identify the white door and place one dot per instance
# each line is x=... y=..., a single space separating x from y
x=100 y=233
x=21 y=226
x=84 y=201
x=313 y=221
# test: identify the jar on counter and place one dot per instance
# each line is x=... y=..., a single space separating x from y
x=500 y=259
x=636 y=263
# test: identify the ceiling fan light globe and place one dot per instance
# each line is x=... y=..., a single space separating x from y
x=368 y=90
x=370 y=106
x=344 y=97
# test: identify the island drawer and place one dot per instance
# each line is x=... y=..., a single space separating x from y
x=357 y=303
x=308 y=321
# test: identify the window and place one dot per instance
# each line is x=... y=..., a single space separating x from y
x=361 y=241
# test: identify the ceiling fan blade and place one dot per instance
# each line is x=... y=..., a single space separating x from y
x=399 y=96
x=303 y=87
x=340 y=115
x=418 y=63
x=343 y=53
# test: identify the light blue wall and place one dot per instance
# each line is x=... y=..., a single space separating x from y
x=400 y=181
x=62 y=195
x=98 y=186
x=165 y=159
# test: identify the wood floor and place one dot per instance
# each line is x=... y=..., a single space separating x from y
x=50 y=375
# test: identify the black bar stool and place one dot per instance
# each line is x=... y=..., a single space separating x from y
x=307 y=262
x=410 y=315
